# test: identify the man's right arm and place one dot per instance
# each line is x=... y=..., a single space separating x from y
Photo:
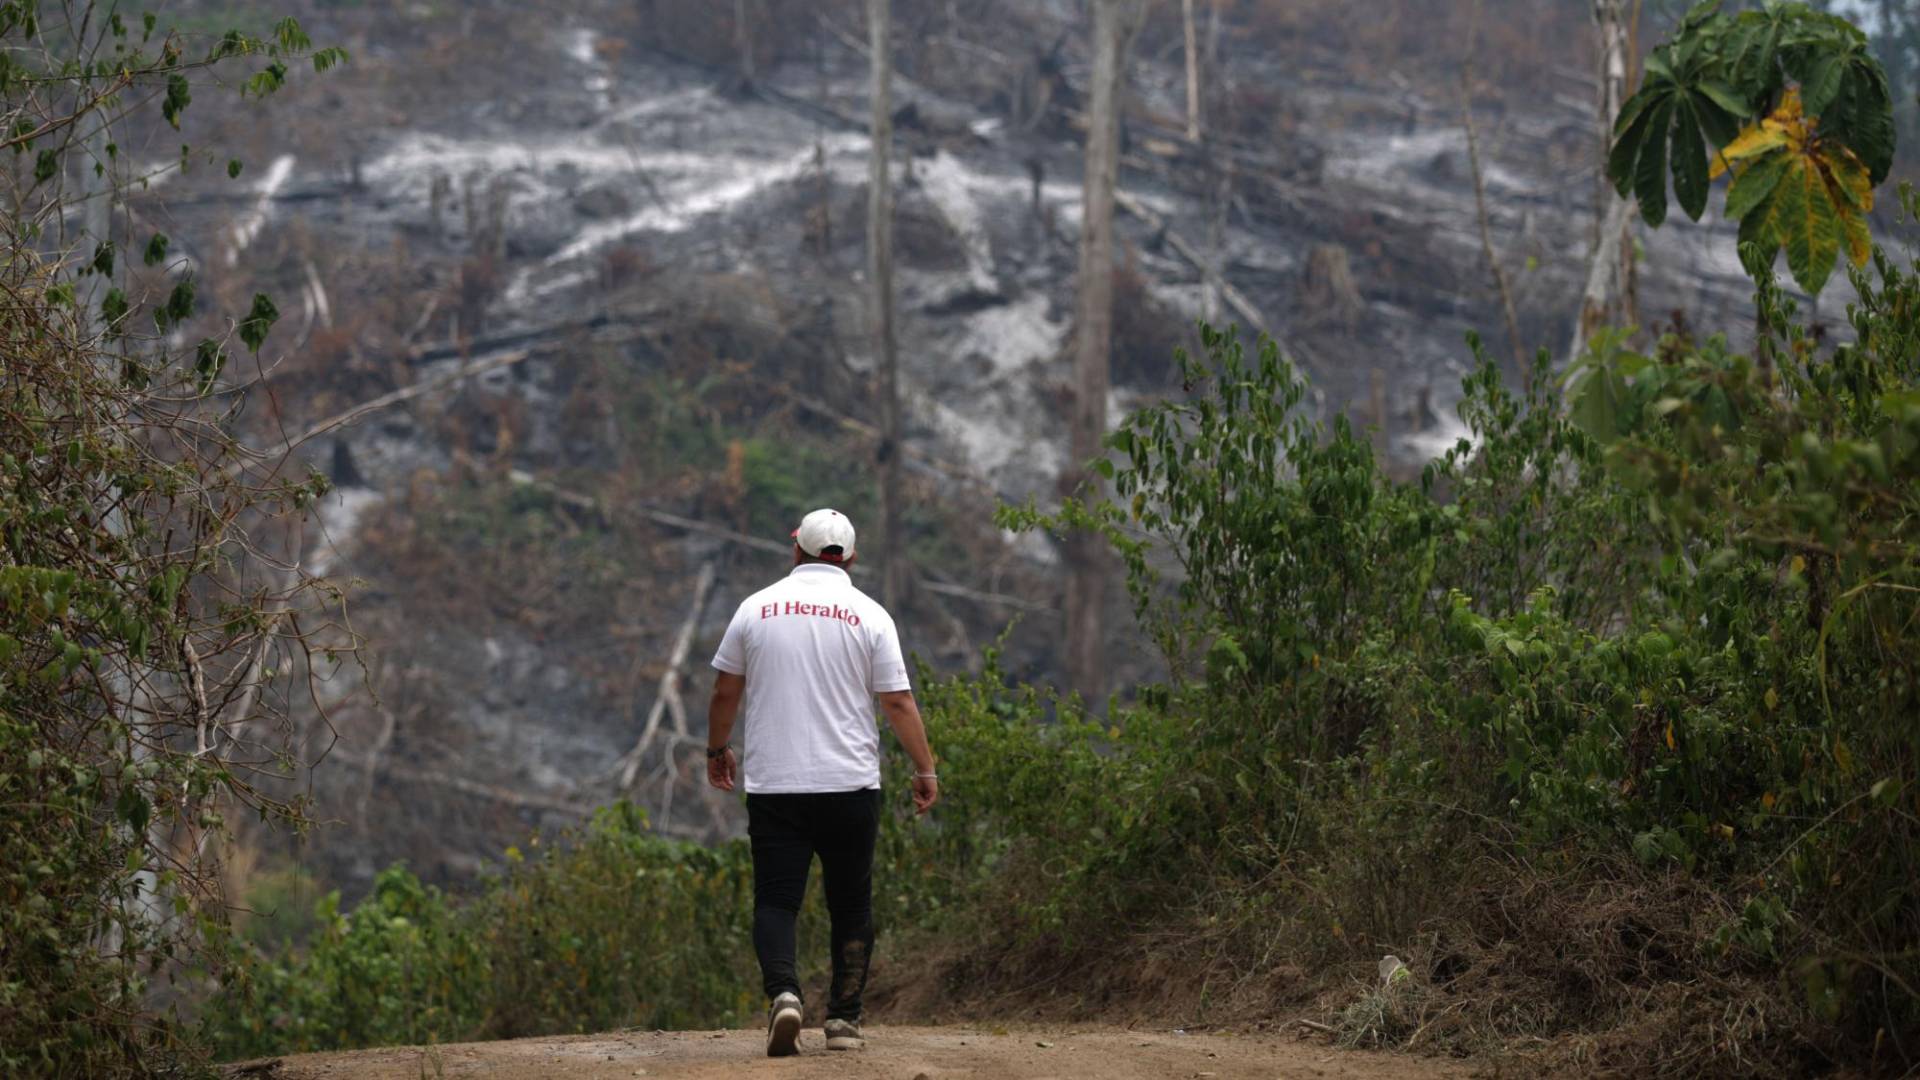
x=722 y=766
x=729 y=686
x=903 y=716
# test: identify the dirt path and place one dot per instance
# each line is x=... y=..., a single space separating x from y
x=892 y=1053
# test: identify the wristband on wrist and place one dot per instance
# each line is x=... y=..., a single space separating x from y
x=926 y=776
x=717 y=751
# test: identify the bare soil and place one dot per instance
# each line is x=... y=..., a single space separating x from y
x=894 y=1053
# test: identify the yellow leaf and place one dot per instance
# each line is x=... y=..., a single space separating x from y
x=1798 y=565
x=1724 y=832
x=1787 y=127
x=1670 y=744
x=1752 y=143
x=1859 y=237
x=1843 y=756
x=1767 y=801
x=1773 y=699
x=1848 y=175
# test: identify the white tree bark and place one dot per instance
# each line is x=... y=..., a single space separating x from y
x=1608 y=299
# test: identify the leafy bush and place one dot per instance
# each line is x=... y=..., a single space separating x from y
x=140 y=652
x=611 y=927
x=1655 y=643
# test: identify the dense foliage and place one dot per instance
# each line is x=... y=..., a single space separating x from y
x=1671 y=641
x=134 y=650
x=616 y=927
x=1602 y=724
x=143 y=650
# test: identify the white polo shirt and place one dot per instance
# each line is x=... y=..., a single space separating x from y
x=814 y=651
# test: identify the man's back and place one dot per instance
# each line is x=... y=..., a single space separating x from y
x=814 y=650
x=806 y=657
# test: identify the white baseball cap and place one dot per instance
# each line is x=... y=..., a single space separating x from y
x=825 y=529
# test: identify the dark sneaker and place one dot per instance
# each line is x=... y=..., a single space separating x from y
x=844 y=1035
x=783 y=1026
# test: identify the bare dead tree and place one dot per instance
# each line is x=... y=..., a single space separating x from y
x=893 y=548
x=666 y=701
x=1193 y=70
x=1480 y=199
x=1115 y=22
x=743 y=41
x=1486 y=231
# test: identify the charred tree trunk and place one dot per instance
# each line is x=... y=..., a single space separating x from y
x=743 y=41
x=893 y=548
x=1114 y=24
x=1193 y=71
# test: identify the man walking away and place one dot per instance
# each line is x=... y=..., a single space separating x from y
x=808 y=655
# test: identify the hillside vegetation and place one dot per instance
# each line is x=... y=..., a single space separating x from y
x=1602 y=726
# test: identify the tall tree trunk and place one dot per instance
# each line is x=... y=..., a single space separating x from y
x=1213 y=38
x=743 y=40
x=1193 y=71
x=1114 y=24
x=96 y=216
x=893 y=548
x=1609 y=296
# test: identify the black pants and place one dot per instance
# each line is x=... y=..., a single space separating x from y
x=787 y=831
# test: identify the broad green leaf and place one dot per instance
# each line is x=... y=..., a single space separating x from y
x=1637 y=106
x=1865 y=118
x=1724 y=96
x=1757 y=227
x=1658 y=66
x=1822 y=84
x=1627 y=148
x=1755 y=183
x=1700 y=12
x=1650 y=168
x=1689 y=162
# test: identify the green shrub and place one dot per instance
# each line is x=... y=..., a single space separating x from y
x=621 y=928
x=401 y=968
x=611 y=927
x=1669 y=627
